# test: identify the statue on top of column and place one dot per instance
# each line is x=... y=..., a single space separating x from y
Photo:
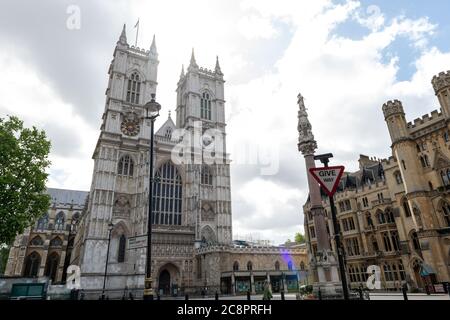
x=306 y=142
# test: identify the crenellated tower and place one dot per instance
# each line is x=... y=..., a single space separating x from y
x=441 y=85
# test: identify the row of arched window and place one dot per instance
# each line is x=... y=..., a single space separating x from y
x=33 y=263
x=60 y=219
x=277 y=266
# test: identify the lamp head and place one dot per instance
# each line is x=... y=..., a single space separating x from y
x=152 y=108
x=110 y=226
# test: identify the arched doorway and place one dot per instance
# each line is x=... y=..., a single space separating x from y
x=164 y=282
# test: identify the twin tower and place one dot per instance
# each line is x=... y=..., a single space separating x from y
x=191 y=201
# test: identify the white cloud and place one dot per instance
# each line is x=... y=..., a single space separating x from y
x=254 y=27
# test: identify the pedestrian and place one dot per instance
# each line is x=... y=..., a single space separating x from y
x=267 y=294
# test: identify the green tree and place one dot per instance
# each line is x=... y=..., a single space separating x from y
x=23 y=162
x=299 y=238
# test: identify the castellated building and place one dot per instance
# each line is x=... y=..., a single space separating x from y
x=395 y=213
x=192 y=245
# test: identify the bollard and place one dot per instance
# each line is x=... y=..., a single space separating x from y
x=405 y=290
x=217 y=296
x=186 y=297
x=320 y=294
x=427 y=290
x=282 y=295
x=448 y=289
x=361 y=296
x=248 y=295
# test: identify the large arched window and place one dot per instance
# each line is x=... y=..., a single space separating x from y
x=446 y=214
x=59 y=221
x=206 y=177
x=32 y=264
x=126 y=166
x=56 y=242
x=134 y=88
x=51 y=266
x=122 y=247
x=236 y=266
x=167 y=196
x=249 y=266
x=205 y=108
x=42 y=223
x=406 y=208
x=37 y=241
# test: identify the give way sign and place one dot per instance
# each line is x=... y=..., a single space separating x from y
x=328 y=178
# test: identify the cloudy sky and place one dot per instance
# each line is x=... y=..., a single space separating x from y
x=346 y=58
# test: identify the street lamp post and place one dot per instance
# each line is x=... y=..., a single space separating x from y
x=152 y=112
x=110 y=228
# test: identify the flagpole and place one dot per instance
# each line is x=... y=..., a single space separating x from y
x=137 y=33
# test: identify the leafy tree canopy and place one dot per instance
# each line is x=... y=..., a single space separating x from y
x=23 y=162
x=299 y=238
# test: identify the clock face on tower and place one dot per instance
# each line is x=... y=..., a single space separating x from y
x=130 y=127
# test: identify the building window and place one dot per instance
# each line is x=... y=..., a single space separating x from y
x=387 y=242
x=388 y=273
x=404 y=164
x=389 y=216
x=395 y=240
x=168 y=133
x=290 y=265
x=122 y=247
x=302 y=266
x=206 y=177
x=167 y=196
x=352 y=247
x=401 y=270
x=59 y=221
x=312 y=232
x=398 y=177
x=236 y=266
x=375 y=244
x=446 y=214
x=445 y=175
x=32 y=264
x=406 y=208
x=56 y=242
x=134 y=88
x=51 y=266
x=365 y=202
x=249 y=266
x=446 y=137
x=37 y=241
x=415 y=241
x=277 y=266
x=380 y=217
x=126 y=166
x=42 y=223
x=205 y=109
x=369 y=220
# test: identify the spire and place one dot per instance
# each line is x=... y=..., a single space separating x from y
x=193 y=63
x=217 y=70
x=123 y=35
x=153 y=47
x=170 y=113
x=306 y=143
x=182 y=71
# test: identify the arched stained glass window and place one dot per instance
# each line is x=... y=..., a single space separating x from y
x=249 y=266
x=51 y=266
x=32 y=264
x=236 y=266
x=122 y=247
x=37 y=241
x=59 y=221
x=205 y=108
x=42 y=223
x=167 y=196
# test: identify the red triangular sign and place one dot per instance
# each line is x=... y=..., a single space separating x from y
x=328 y=178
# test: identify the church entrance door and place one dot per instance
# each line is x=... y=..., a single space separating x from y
x=164 y=282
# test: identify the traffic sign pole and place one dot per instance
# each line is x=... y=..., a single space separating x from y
x=329 y=181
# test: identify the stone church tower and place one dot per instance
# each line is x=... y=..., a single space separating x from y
x=191 y=195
